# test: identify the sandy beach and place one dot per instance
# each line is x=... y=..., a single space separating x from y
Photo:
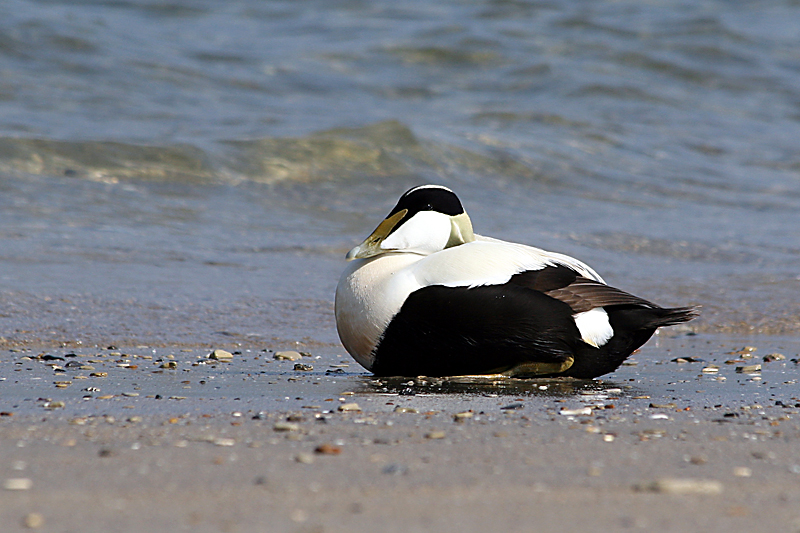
x=166 y=439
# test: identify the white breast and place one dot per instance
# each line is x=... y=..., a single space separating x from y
x=370 y=292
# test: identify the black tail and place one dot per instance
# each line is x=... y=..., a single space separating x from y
x=672 y=316
x=633 y=326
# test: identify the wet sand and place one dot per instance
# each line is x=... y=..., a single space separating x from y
x=130 y=439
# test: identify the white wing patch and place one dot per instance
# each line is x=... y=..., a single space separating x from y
x=594 y=326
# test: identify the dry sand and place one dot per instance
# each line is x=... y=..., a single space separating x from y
x=185 y=443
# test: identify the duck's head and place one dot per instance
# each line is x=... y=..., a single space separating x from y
x=426 y=219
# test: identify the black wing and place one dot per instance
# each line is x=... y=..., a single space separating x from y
x=446 y=331
x=580 y=293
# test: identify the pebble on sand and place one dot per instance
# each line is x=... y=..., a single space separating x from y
x=327 y=449
x=584 y=411
x=304 y=458
x=748 y=369
x=682 y=486
x=18 y=483
x=435 y=435
x=221 y=355
x=288 y=355
x=33 y=521
x=349 y=407
x=286 y=426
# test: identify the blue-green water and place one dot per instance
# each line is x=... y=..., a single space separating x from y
x=194 y=171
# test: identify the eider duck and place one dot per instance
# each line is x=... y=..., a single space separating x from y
x=425 y=296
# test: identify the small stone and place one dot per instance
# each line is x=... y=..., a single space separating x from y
x=288 y=355
x=349 y=407
x=742 y=471
x=98 y=375
x=401 y=409
x=687 y=360
x=435 y=435
x=460 y=417
x=286 y=426
x=513 y=407
x=394 y=469
x=33 y=521
x=130 y=394
x=302 y=367
x=172 y=365
x=745 y=350
x=748 y=369
x=327 y=449
x=304 y=458
x=683 y=486
x=18 y=483
x=710 y=369
x=774 y=357
x=54 y=405
x=222 y=441
x=221 y=355
x=584 y=411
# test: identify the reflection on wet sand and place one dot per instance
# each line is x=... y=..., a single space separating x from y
x=492 y=385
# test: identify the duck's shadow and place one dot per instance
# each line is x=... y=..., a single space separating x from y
x=493 y=386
